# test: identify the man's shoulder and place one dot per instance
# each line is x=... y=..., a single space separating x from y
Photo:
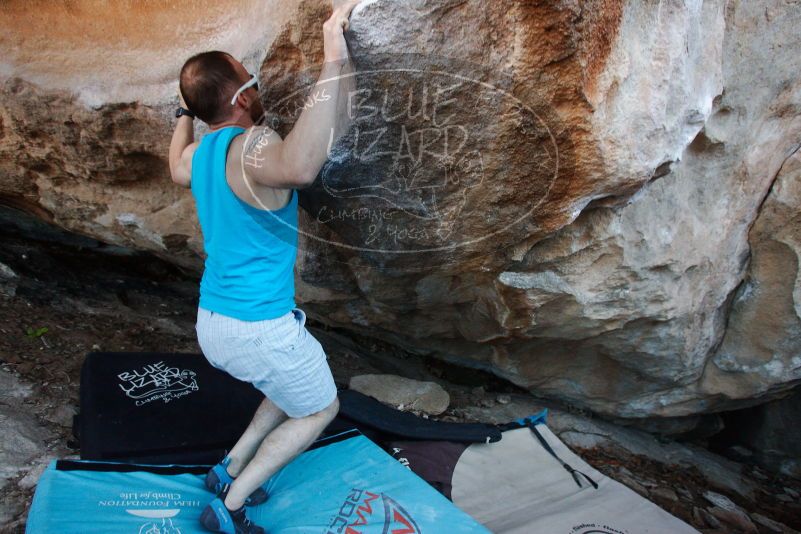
x=248 y=190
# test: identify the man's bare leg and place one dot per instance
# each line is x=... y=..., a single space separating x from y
x=289 y=439
x=267 y=417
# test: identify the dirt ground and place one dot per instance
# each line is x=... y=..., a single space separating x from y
x=73 y=295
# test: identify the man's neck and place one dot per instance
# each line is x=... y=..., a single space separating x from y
x=243 y=121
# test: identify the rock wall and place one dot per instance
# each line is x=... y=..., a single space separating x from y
x=592 y=199
x=88 y=89
x=770 y=431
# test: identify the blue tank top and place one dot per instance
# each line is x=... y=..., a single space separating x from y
x=250 y=252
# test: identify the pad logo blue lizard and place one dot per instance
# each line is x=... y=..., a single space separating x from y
x=157 y=381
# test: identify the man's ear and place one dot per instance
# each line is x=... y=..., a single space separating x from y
x=242 y=101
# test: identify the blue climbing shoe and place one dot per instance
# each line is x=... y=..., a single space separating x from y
x=217 y=478
x=217 y=518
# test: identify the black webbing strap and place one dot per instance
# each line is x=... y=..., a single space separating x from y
x=574 y=472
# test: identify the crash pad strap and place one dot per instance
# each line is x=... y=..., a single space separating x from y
x=175 y=469
x=368 y=411
x=573 y=472
x=90 y=465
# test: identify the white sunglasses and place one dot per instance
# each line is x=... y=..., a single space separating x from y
x=254 y=80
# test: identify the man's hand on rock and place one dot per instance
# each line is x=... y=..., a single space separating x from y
x=334 y=45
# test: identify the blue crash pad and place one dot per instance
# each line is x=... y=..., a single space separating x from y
x=350 y=486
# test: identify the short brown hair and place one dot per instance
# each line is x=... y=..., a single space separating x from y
x=207 y=82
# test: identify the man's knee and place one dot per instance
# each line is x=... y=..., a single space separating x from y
x=329 y=412
x=334 y=406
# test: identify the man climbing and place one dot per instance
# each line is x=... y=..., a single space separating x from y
x=244 y=179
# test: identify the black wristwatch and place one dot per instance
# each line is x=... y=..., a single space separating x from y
x=183 y=111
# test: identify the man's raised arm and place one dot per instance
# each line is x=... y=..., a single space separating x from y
x=182 y=146
x=295 y=161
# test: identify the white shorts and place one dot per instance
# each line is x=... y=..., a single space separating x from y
x=278 y=356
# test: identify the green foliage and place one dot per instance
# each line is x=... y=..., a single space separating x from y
x=38 y=332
